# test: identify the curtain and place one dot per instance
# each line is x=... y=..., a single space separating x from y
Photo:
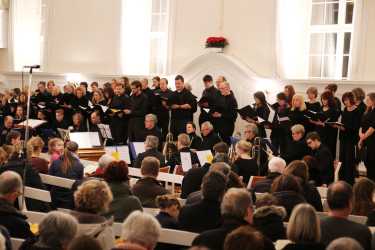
x=359 y=36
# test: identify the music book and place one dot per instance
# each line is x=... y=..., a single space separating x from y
x=136 y=148
x=119 y=153
x=335 y=123
x=186 y=161
x=104 y=108
x=315 y=116
x=204 y=156
x=64 y=133
x=105 y=131
x=283 y=119
x=247 y=111
x=33 y=123
x=86 y=139
x=271 y=115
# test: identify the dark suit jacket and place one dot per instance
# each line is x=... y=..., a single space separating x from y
x=193 y=179
x=325 y=164
x=209 y=141
x=201 y=216
x=149 y=152
x=147 y=189
x=333 y=228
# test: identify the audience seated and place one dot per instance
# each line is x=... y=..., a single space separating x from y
x=244 y=165
x=103 y=162
x=169 y=210
x=311 y=194
x=150 y=128
x=344 y=243
x=288 y=192
x=12 y=219
x=363 y=199
x=209 y=137
x=123 y=203
x=183 y=145
x=336 y=225
x=276 y=167
x=268 y=218
x=236 y=211
x=151 y=146
x=35 y=146
x=147 y=188
x=93 y=198
x=55 y=232
x=205 y=215
x=246 y=238
x=84 y=242
x=304 y=229
x=67 y=166
x=195 y=140
x=140 y=231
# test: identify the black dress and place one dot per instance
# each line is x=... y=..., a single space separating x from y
x=328 y=134
x=368 y=121
x=316 y=107
x=119 y=122
x=280 y=134
x=263 y=112
x=348 y=141
x=246 y=168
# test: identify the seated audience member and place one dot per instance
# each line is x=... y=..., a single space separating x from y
x=148 y=188
x=288 y=192
x=276 y=167
x=169 y=210
x=205 y=215
x=183 y=145
x=151 y=146
x=140 y=231
x=310 y=192
x=236 y=211
x=5 y=129
x=84 y=242
x=93 y=198
x=34 y=148
x=323 y=157
x=193 y=178
x=103 y=162
x=12 y=219
x=67 y=166
x=123 y=203
x=79 y=124
x=60 y=120
x=55 y=148
x=312 y=165
x=363 y=203
x=246 y=238
x=56 y=231
x=297 y=147
x=209 y=137
x=336 y=225
x=304 y=229
x=344 y=243
x=13 y=138
x=268 y=218
x=31 y=176
x=244 y=165
x=195 y=140
x=150 y=128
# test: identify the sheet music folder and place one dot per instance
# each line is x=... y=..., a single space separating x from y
x=86 y=139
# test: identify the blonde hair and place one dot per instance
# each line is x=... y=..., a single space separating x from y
x=3 y=155
x=304 y=224
x=100 y=94
x=93 y=196
x=244 y=146
x=52 y=143
x=35 y=145
x=301 y=99
x=298 y=128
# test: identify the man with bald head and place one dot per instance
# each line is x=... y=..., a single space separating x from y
x=12 y=219
x=337 y=225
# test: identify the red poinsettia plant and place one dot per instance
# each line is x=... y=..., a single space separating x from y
x=216 y=42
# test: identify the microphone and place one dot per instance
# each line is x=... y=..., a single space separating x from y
x=32 y=66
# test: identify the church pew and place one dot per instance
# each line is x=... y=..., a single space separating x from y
x=355 y=218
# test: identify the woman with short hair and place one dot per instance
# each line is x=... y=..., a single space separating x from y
x=244 y=165
x=34 y=147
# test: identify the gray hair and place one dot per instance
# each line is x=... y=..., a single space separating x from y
x=104 y=160
x=151 y=142
x=344 y=243
x=153 y=117
x=253 y=128
x=10 y=182
x=298 y=128
x=236 y=202
x=57 y=229
x=207 y=124
x=184 y=139
x=141 y=228
x=222 y=167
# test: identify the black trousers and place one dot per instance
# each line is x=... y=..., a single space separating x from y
x=119 y=130
x=370 y=162
x=347 y=157
x=178 y=126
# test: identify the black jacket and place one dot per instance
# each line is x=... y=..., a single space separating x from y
x=193 y=179
x=147 y=189
x=288 y=199
x=305 y=246
x=264 y=186
x=324 y=165
x=312 y=196
x=195 y=141
x=167 y=221
x=269 y=221
x=14 y=221
x=209 y=141
x=150 y=152
x=199 y=217
x=296 y=150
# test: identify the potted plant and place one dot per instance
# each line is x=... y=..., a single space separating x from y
x=216 y=44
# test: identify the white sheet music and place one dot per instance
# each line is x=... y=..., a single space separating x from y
x=90 y=105
x=260 y=119
x=203 y=156
x=86 y=139
x=186 y=161
x=283 y=119
x=105 y=130
x=139 y=147
x=272 y=114
x=33 y=123
x=104 y=108
x=123 y=151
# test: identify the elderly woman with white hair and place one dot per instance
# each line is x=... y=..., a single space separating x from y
x=150 y=128
x=103 y=162
x=276 y=166
x=56 y=231
x=140 y=231
x=297 y=148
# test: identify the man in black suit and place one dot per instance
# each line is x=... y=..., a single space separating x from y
x=205 y=215
x=209 y=137
x=323 y=157
x=150 y=128
x=151 y=146
x=337 y=225
x=236 y=211
x=208 y=98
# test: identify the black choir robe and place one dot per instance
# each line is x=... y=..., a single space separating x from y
x=119 y=121
x=139 y=108
x=209 y=94
x=161 y=111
